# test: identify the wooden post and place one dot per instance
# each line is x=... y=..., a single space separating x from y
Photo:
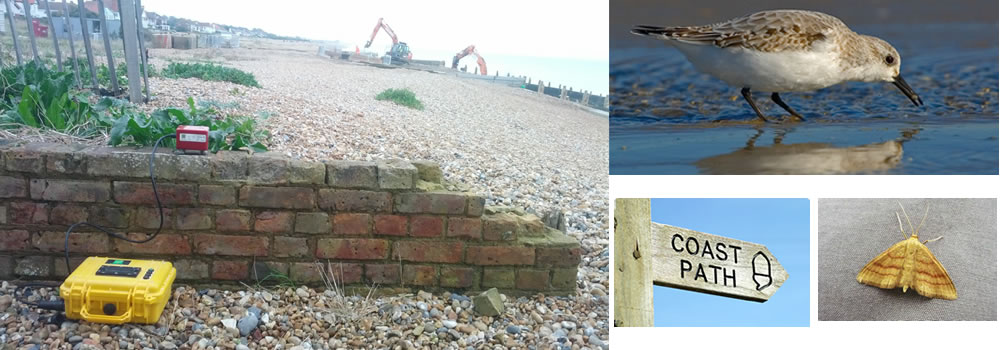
x=130 y=34
x=633 y=266
x=55 y=38
x=72 y=47
x=586 y=98
x=13 y=31
x=107 y=46
x=562 y=92
x=142 y=49
x=31 y=30
x=541 y=87
x=86 y=43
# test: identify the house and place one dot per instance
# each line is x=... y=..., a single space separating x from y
x=92 y=21
x=18 y=7
x=110 y=9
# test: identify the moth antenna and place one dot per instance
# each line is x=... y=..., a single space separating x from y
x=900 y=225
x=932 y=240
x=907 y=218
x=922 y=220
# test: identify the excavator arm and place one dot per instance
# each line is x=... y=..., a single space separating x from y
x=388 y=30
x=469 y=50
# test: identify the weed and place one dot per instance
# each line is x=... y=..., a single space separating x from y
x=209 y=72
x=403 y=97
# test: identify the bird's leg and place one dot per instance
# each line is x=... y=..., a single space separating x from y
x=749 y=98
x=777 y=99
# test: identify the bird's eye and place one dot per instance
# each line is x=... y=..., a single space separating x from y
x=889 y=59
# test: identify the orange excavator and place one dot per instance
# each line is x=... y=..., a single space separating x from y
x=470 y=50
x=400 y=52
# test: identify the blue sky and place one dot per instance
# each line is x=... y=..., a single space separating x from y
x=782 y=225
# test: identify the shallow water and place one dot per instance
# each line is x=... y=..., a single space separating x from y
x=668 y=118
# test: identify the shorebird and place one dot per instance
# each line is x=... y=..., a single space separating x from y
x=784 y=51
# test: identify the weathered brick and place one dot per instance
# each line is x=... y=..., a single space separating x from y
x=355 y=200
x=312 y=223
x=396 y=175
x=351 y=174
x=430 y=203
x=426 y=226
x=428 y=171
x=59 y=265
x=28 y=213
x=208 y=244
x=109 y=217
x=3 y=213
x=193 y=218
x=164 y=243
x=344 y=273
x=457 y=277
x=24 y=160
x=230 y=165
x=499 y=278
x=564 y=278
x=73 y=160
x=305 y=172
x=429 y=251
x=277 y=197
x=67 y=214
x=500 y=255
x=268 y=272
x=351 y=224
x=382 y=273
x=34 y=266
x=190 y=269
x=420 y=275
x=14 y=240
x=561 y=256
x=118 y=163
x=70 y=190
x=142 y=193
x=500 y=228
x=532 y=279
x=216 y=195
x=352 y=248
x=476 y=204
x=13 y=187
x=465 y=228
x=393 y=225
x=305 y=272
x=267 y=170
x=181 y=167
x=274 y=221
x=290 y=247
x=232 y=220
x=79 y=242
x=6 y=262
x=230 y=270
x=149 y=218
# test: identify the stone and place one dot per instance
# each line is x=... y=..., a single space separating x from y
x=488 y=303
x=449 y=323
x=247 y=324
x=512 y=329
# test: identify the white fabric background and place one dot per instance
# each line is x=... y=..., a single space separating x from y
x=853 y=231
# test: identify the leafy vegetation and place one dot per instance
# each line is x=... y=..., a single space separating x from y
x=103 y=73
x=211 y=72
x=403 y=97
x=225 y=132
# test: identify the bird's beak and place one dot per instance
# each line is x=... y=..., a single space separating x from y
x=907 y=90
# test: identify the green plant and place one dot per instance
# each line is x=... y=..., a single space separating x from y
x=103 y=73
x=403 y=97
x=225 y=133
x=39 y=97
x=209 y=72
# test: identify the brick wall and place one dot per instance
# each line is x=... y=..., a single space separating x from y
x=375 y=222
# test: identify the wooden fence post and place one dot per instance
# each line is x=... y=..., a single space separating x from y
x=86 y=43
x=31 y=30
x=13 y=30
x=541 y=87
x=142 y=49
x=131 y=34
x=55 y=38
x=633 y=268
x=107 y=46
x=72 y=47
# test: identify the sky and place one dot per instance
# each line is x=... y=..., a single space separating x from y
x=781 y=225
x=436 y=30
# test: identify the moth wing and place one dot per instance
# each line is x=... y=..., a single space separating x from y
x=931 y=279
x=886 y=269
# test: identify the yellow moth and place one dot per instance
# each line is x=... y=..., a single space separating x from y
x=909 y=264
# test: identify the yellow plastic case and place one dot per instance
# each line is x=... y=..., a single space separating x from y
x=116 y=291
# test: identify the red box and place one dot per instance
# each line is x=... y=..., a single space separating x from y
x=193 y=138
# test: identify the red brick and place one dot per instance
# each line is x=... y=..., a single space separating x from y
x=70 y=190
x=458 y=277
x=351 y=224
x=312 y=223
x=13 y=187
x=290 y=247
x=67 y=214
x=216 y=195
x=429 y=251
x=230 y=270
x=14 y=240
x=277 y=197
x=79 y=242
x=232 y=220
x=531 y=279
x=149 y=218
x=28 y=213
x=500 y=255
x=142 y=193
x=393 y=225
x=209 y=244
x=549 y=257
x=382 y=273
x=465 y=228
x=426 y=226
x=109 y=217
x=355 y=201
x=420 y=275
x=193 y=218
x=274 y=221
x=164 y=243
x=352 y=248
x=431 y=203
